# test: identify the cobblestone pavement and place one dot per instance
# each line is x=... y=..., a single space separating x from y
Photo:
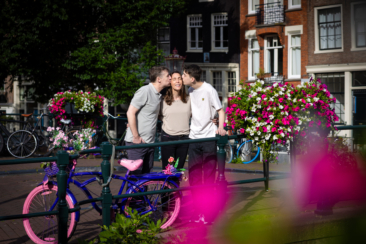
x=15 y=188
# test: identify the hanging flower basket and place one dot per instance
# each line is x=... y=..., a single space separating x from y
x=275 y=114
x=64 y=105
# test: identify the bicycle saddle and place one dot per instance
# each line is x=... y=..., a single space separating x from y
x=131 y=165
x=65 y=121
x=26 y=115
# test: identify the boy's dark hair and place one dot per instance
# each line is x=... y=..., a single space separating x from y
x=193 y=71
x=156 y=71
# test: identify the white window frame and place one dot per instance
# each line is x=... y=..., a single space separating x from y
x=218 y=49
x=189 y=48
x=228 y=83
x=291 y=6
x=250 y=3
x=222 y=81
x=316 y=32
x=353 y=27
x=251 y=76
x=290 y=31
x=275 y=54
x=163 y=42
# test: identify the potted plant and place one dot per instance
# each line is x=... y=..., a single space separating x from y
x=275 y=114
x=87 y=104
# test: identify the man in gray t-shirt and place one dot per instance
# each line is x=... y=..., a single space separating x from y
x=142 y=117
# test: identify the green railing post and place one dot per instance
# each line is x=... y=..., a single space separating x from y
x=106 y=192
x=50 y=121
x=266 y=173
x=221 y=155
x=62 y=162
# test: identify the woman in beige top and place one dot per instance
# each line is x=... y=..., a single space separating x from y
x=176 y=112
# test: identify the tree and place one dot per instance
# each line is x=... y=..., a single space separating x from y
x=62 y=45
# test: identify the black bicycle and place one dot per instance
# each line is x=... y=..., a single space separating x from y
x=33 y=139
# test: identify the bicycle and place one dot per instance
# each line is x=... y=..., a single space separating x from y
x=29 y=140
x=242 y=149
x=44 y=198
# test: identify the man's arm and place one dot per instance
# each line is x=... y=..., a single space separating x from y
x=131 y=116
x=221 y=129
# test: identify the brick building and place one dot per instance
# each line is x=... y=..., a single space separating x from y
x=207 y=34
x=337 y=54
x=273 y=36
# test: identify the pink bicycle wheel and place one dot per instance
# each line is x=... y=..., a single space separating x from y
x=163 y=206
x=44 y=229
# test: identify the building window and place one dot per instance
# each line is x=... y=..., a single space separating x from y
x=294 y=3
x=252 y=6
x=220 y=32
x=295 y=56
x=26 y=97
x=217 y=80
x=330 y=28
x=203 y=75
x=164 y=40
x=3 y=94
x=253 y=53
x=231 y=81
x=360 y=24
x=335 y=84
x=273 y=56
x=359 y=78
x=194 y=33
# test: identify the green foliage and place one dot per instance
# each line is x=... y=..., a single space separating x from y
x=136 y=229
x=107 y=45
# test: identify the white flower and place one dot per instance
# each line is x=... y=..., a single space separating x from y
x=282 y=135
x=275 y=137
x=252 y=133
x=280 y=92
x=259 y=106
x=268 y=136
x=265 y=99
x=256 y=138
x=324 y=90
x=276 y=95
x=271 y=117
x=300 y=122
x=271 y=152
x=281 y=107
x=275 y=84
x=262 y=82
x=289 y=130
x=316 y=99
x=259 y=89
x=263 y=141
x=258 y=98
x=253 y=109
x=252 y=84
x=308 y=100
x=282 y=113
x=286 y=113
x=294 y=100
x=258 y=133
x=271 y=99
x=254 y=94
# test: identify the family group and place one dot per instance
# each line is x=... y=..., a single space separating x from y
x=176 y=109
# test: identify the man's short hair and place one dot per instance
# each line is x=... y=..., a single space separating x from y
x=193 y=71
x=156 y=71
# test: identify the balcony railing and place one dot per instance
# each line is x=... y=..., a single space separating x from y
x=270 y=13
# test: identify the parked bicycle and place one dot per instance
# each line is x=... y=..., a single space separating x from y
x=44 y=197
x=31 y=140
x=242 y=149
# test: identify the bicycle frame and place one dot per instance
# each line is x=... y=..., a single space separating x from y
x=135 y=184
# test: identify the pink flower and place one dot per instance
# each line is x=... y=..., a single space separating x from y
x=264 y=129
x=225 y=124
x=280 y=100
x=242 y=130
x=273 y=129
x=234 y=105
x=263 y=96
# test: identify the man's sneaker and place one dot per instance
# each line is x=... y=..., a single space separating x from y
x=195 y=219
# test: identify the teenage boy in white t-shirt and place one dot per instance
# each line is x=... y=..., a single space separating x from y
x=202 y=159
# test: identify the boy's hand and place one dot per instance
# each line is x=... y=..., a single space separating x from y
x=138 y=140
x=221 y=131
